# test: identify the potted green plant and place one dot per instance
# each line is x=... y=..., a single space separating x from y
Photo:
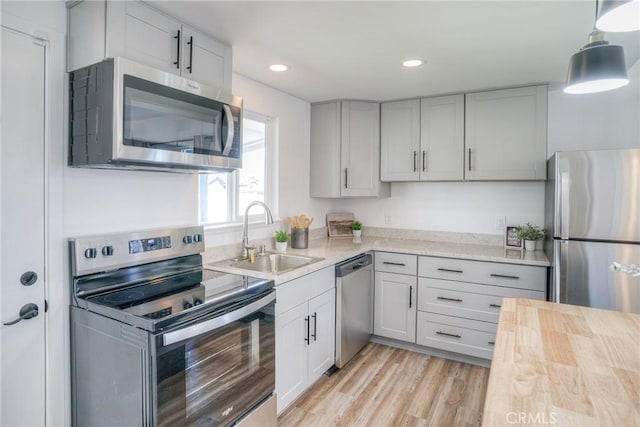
x=282 y=237
x=529 y=233
x=356 y=228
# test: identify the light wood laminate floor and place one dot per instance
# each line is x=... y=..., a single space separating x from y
x=386 y=386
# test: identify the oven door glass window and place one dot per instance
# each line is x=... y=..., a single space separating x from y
x=216 y=377
x=163 y=118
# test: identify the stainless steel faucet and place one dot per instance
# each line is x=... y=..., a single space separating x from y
x=245 y=226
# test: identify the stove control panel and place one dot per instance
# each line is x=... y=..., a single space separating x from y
x=92 y=254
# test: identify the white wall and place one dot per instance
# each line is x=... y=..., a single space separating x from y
x=595 y=121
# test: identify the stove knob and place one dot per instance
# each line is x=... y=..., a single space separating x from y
x=197 y=301
x=90 y=253
x=107 y=251
x=186 y=239
x=187 y=305
x=197 y=238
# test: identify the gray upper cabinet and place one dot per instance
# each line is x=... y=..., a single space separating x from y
x=442 y=138
x=345 y=150
x=506 y=134
x=423 y=140
x=484 y=136
x=132 y=29
x=400 y=140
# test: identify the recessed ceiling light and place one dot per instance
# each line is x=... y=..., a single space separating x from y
x=412 y=63
x=278 y=67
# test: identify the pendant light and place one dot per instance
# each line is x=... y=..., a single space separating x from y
x=618 y=16
x=597 y=67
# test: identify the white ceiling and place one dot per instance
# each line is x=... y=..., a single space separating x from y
x=354 y=49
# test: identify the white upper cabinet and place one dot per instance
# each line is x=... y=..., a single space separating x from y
x=506 y=134
x=400 y=140
x=442 y=138
x=484 y=136
x=132 y=29
x=345 y=150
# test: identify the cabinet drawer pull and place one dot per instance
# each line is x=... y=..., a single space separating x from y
x=190 y=43
x=424 y=160
x=394 y=263
x=450 y=299
x=346 y=178
x=410 y=296
x=491 y=343
x=495 y=305
x=469 y=158
x=415 y=161
x=177 y=36
x=448 y=270
x=504 y=276
x=306 y=338
x=315 y=326
x=449 y=335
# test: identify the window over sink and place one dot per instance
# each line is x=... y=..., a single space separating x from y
x=224 y=196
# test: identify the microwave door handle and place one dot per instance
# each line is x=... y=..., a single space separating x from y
x=217 y=322
x=228 y=117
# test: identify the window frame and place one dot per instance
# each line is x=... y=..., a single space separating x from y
x=234 y=216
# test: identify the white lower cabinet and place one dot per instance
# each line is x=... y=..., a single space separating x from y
x=396 y=296
x=305 y=333
x=459 y=301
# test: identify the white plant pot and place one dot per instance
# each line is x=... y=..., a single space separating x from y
x=357 y=233
x=281 y=247
x=529 y=245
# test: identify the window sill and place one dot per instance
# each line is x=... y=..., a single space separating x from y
x=231 y=227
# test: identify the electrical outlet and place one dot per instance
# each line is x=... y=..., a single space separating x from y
x=501 y=222
x=387 y=218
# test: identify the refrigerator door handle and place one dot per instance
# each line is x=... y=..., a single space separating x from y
x=563 y=205
x=560 y=270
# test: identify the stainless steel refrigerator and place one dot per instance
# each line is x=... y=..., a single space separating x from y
x=593 y=223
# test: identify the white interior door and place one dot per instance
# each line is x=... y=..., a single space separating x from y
x=22 y=231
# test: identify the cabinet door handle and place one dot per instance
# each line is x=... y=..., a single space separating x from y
x=190 y=43
x=306 y=338
x=394 y=263
x=504 y=276
x=448 y=270
x=424 y=160
x=469 y=158
x=495 y=305
x=491 y=343
x=415 y=161
x=315 y=325
x=410 y=296
x=450 y=299
x=448 y=335
x=346 y=178
x=177 y=63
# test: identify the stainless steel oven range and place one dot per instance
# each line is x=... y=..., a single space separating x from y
x=159 y=341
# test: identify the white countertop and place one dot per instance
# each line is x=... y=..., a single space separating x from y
x=337 y=250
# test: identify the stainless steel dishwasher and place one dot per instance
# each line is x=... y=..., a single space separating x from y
x=354 y=306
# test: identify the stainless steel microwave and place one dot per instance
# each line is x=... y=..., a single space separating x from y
x=127 y=115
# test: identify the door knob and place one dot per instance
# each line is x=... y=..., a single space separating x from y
x=28 y=311
x=28 y=278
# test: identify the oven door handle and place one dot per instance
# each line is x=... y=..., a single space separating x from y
x=228 y=117
x=217 y=322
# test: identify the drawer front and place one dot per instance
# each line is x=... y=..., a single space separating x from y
x=468 y=300
x=489 y=273
x=302 y=289
x=449 y=333
x=390 y=262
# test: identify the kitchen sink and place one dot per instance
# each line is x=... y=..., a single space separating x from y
x=273 y=262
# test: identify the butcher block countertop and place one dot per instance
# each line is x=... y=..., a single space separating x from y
x=564 y=365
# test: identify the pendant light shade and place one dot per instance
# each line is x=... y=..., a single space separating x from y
x=597 y=67
x=618 y=16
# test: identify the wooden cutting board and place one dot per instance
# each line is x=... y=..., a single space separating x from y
x=564 y=365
